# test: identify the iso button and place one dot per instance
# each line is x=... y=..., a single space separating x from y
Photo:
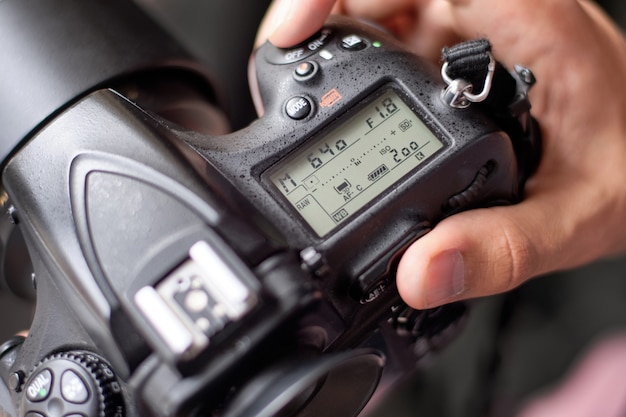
x=298 y=107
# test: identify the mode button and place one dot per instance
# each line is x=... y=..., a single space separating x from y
x=298 y=107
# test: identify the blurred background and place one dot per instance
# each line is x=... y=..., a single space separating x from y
x=514 y=345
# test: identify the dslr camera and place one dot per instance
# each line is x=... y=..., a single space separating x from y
x=184 y=270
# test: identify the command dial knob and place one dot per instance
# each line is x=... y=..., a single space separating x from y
x=72 y=384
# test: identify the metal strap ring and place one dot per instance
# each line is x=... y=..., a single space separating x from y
x=454 y=85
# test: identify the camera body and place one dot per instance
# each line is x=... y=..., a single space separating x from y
x=249 y=273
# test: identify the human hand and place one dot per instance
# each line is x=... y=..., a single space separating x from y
x=575 y=203
x=422 y=24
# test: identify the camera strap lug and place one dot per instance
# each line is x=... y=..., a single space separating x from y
x=459 y=94
x=470 y=66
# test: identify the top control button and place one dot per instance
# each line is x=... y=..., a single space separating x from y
x=281 y=56
x=305 y=71
x=353 y=43
x=40 y=386
x=72 y=384
x=298 y=107
x=73 y=388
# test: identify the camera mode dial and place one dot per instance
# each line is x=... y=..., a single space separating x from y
x=72 y=384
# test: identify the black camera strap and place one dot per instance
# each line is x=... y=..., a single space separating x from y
x=473 y=76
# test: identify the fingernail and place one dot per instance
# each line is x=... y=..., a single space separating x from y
x=445 y=278
x=281 y=13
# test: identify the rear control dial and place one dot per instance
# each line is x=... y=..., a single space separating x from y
x=72 y=383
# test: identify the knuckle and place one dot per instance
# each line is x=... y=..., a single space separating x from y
x=515 y=259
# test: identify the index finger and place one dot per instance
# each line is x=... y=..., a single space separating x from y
x=289 y=22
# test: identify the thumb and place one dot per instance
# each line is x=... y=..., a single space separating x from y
x=471 y=254
x=492 y=250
